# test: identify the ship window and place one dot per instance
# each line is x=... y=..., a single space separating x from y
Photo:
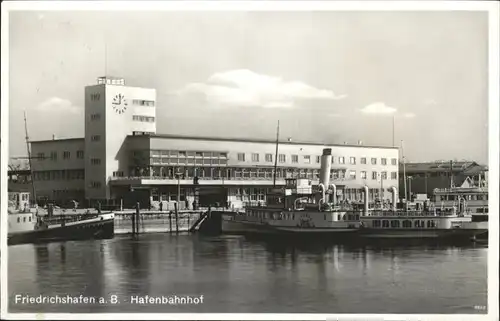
x=30 y=218
x=385 y=223
x=376 y=223
x=24 y=219
x=394 y=223
x=18 y=220
x=339 y=217
x=406 y=223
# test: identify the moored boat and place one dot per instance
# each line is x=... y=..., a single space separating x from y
x=298 y=210
x=429 y=223
x=26 y=225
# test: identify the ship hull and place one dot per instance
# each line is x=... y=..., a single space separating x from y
x=247 y=228
x=92 y=229
x=423 y=234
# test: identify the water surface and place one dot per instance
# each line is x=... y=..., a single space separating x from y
x=236 y=275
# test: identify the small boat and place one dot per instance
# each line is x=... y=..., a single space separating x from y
x=30 y=225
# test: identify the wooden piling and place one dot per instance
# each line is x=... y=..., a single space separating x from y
x=176 y=217
x=133 y=223
x=137 y=213
x=170 y=221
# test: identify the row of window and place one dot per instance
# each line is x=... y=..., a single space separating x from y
x=474 y=197
x=306 y=159
x=405 y=223
x=252 y=172
x=178 y=153
x=68 y=174
x=146 y=119
x=65 y=154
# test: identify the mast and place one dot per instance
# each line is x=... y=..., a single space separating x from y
x=451 y=174
x=404 y=174
x=29 y=157
x=276 y=155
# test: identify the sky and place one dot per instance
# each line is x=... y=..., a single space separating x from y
x=327 y=76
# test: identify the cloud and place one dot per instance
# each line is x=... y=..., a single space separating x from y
x=59 y=105
x=378 y=108
x=246 y=88
x=409 y=115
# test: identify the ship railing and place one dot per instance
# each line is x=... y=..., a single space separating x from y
x=68 y=219
x=411 y=213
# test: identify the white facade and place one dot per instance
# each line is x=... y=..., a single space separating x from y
x=113 y=111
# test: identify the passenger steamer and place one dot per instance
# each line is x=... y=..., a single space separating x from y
x=434 y=221
x=31 y=225
x=297 y=210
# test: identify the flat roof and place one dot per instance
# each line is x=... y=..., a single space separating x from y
x=56 y=140
x=253 y=140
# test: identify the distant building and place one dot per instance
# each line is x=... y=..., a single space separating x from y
x=423 y=178
x=121 y=158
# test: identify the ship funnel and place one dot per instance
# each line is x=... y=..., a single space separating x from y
x=394 y=198
x=326 y=165
x=365 y=198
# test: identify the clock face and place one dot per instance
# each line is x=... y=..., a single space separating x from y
x=119 y=104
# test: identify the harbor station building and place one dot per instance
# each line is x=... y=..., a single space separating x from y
x=122 y=159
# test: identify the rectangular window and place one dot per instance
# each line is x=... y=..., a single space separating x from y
x=383 y=161
x=40 y=156
x=352 y=174
x=282 y=158
x=295 y=158
x=95 y=97
x=394 y=161
x=118 y=174
x=223 y=155
x=79 y=154
x=66 y=155
x=241 y=157
x=145 y=119
x=95 y=161
x=384 y=175
x=363 y=174
x=95 y=138
x=374 y=175
x=255 y=157
x=352 y=160
x=394 y=175
x=53 y=156
x=96 y=184
x=363 y=160
x=269 y=158
x=341 y=160
x=374 y=161
x=307 y=159
x=139 y=102
x=318 y=159
x=95 y=116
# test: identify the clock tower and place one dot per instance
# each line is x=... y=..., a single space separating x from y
x=112 y=112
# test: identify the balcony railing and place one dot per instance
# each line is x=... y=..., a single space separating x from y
x=221 y=178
